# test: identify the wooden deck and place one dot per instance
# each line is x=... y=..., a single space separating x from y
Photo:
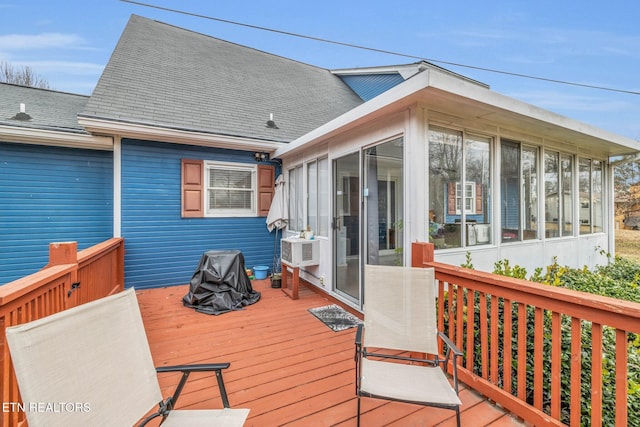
x=287 y=367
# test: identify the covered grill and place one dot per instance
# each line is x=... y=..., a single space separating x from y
x=220 y=284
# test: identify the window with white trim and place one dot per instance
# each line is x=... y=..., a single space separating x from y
x=591 y=183
x=231 y=189
x=296 y=200
x=469 y=198
x=318 y=196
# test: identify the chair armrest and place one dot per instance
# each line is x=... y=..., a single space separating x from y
x=456 y=351
x=358 y=355
x=202 y=367
x=359 y=335
x=198 y=367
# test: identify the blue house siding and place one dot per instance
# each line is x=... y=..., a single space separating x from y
x=369 y=86
x=162 y=248
x=51 y=194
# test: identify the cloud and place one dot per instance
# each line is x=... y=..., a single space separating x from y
x=21 y=42
x=63 y=67
x=556 y=100
x=553 y=41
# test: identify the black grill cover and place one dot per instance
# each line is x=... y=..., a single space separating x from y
x=220 y=284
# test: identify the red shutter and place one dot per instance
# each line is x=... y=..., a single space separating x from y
x=266 y=188
x=451 y=198
x=192 y=188
x=478 y=198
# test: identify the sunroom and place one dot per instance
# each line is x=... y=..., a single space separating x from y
x=443 y=159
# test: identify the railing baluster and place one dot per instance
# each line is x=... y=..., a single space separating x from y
x=471 y=327
x=440 y=302
x=459 y=316
x=522 y=351
x=621 y=377
x=484 y=336
x=538 y=353
x=576 y=371
x=493 y=343
x=556 y=364
x=596 y=375
x=508 y=348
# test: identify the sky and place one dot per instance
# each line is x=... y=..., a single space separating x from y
x=587 y=42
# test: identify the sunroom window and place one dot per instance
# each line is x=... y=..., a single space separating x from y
x=296 y=199
x=518 y=191
x=558 y=189
x=318 y=196
x=459 y=182
x=590 y=186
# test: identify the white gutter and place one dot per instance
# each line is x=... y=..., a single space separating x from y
x=178 y=136
x=419 y=87
x=503 y=102
x=55 y=138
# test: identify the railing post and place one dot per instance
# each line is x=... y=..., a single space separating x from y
x=120 y=263
x=63 y=253
x=421 y=253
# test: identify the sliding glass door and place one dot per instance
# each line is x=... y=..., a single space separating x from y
x=346 y=225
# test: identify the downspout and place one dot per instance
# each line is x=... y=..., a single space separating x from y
x=611 y=232
x=117 y=186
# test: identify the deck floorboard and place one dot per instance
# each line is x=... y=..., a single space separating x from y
x=287 y=367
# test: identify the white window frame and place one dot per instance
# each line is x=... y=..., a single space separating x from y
x=223 y=212
x=470 y=187
x=296 y=198
x=318 y=196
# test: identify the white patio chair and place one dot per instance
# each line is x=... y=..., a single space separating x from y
x=91 y=365
x=400 y=314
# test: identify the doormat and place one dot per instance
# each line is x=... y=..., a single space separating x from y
x=335 y=317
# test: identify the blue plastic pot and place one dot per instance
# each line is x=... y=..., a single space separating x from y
x=260 y=271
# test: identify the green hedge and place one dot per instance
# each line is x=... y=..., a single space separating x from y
x=619 y=279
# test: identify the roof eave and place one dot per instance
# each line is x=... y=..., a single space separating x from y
x=522 y=111
x=427 y=84
x=55 y=138
x=176 y=136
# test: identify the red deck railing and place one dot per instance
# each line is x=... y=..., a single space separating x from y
x=516 y=335
x=70 y=278
x=523 y=341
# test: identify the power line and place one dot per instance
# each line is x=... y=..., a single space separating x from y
x=387 y=52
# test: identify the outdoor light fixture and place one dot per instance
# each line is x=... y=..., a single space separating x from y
x=261 y=157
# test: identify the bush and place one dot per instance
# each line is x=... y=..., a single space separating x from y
x=619 y=279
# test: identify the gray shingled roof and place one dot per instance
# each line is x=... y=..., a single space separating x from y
x=48 y=109
x=170 y=77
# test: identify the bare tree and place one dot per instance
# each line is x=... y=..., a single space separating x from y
x=23 y=76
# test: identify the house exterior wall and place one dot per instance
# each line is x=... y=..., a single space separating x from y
x=51 y=194
x=162 y=247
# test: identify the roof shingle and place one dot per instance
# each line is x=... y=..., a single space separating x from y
x=50 y=110
x=165 y=76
